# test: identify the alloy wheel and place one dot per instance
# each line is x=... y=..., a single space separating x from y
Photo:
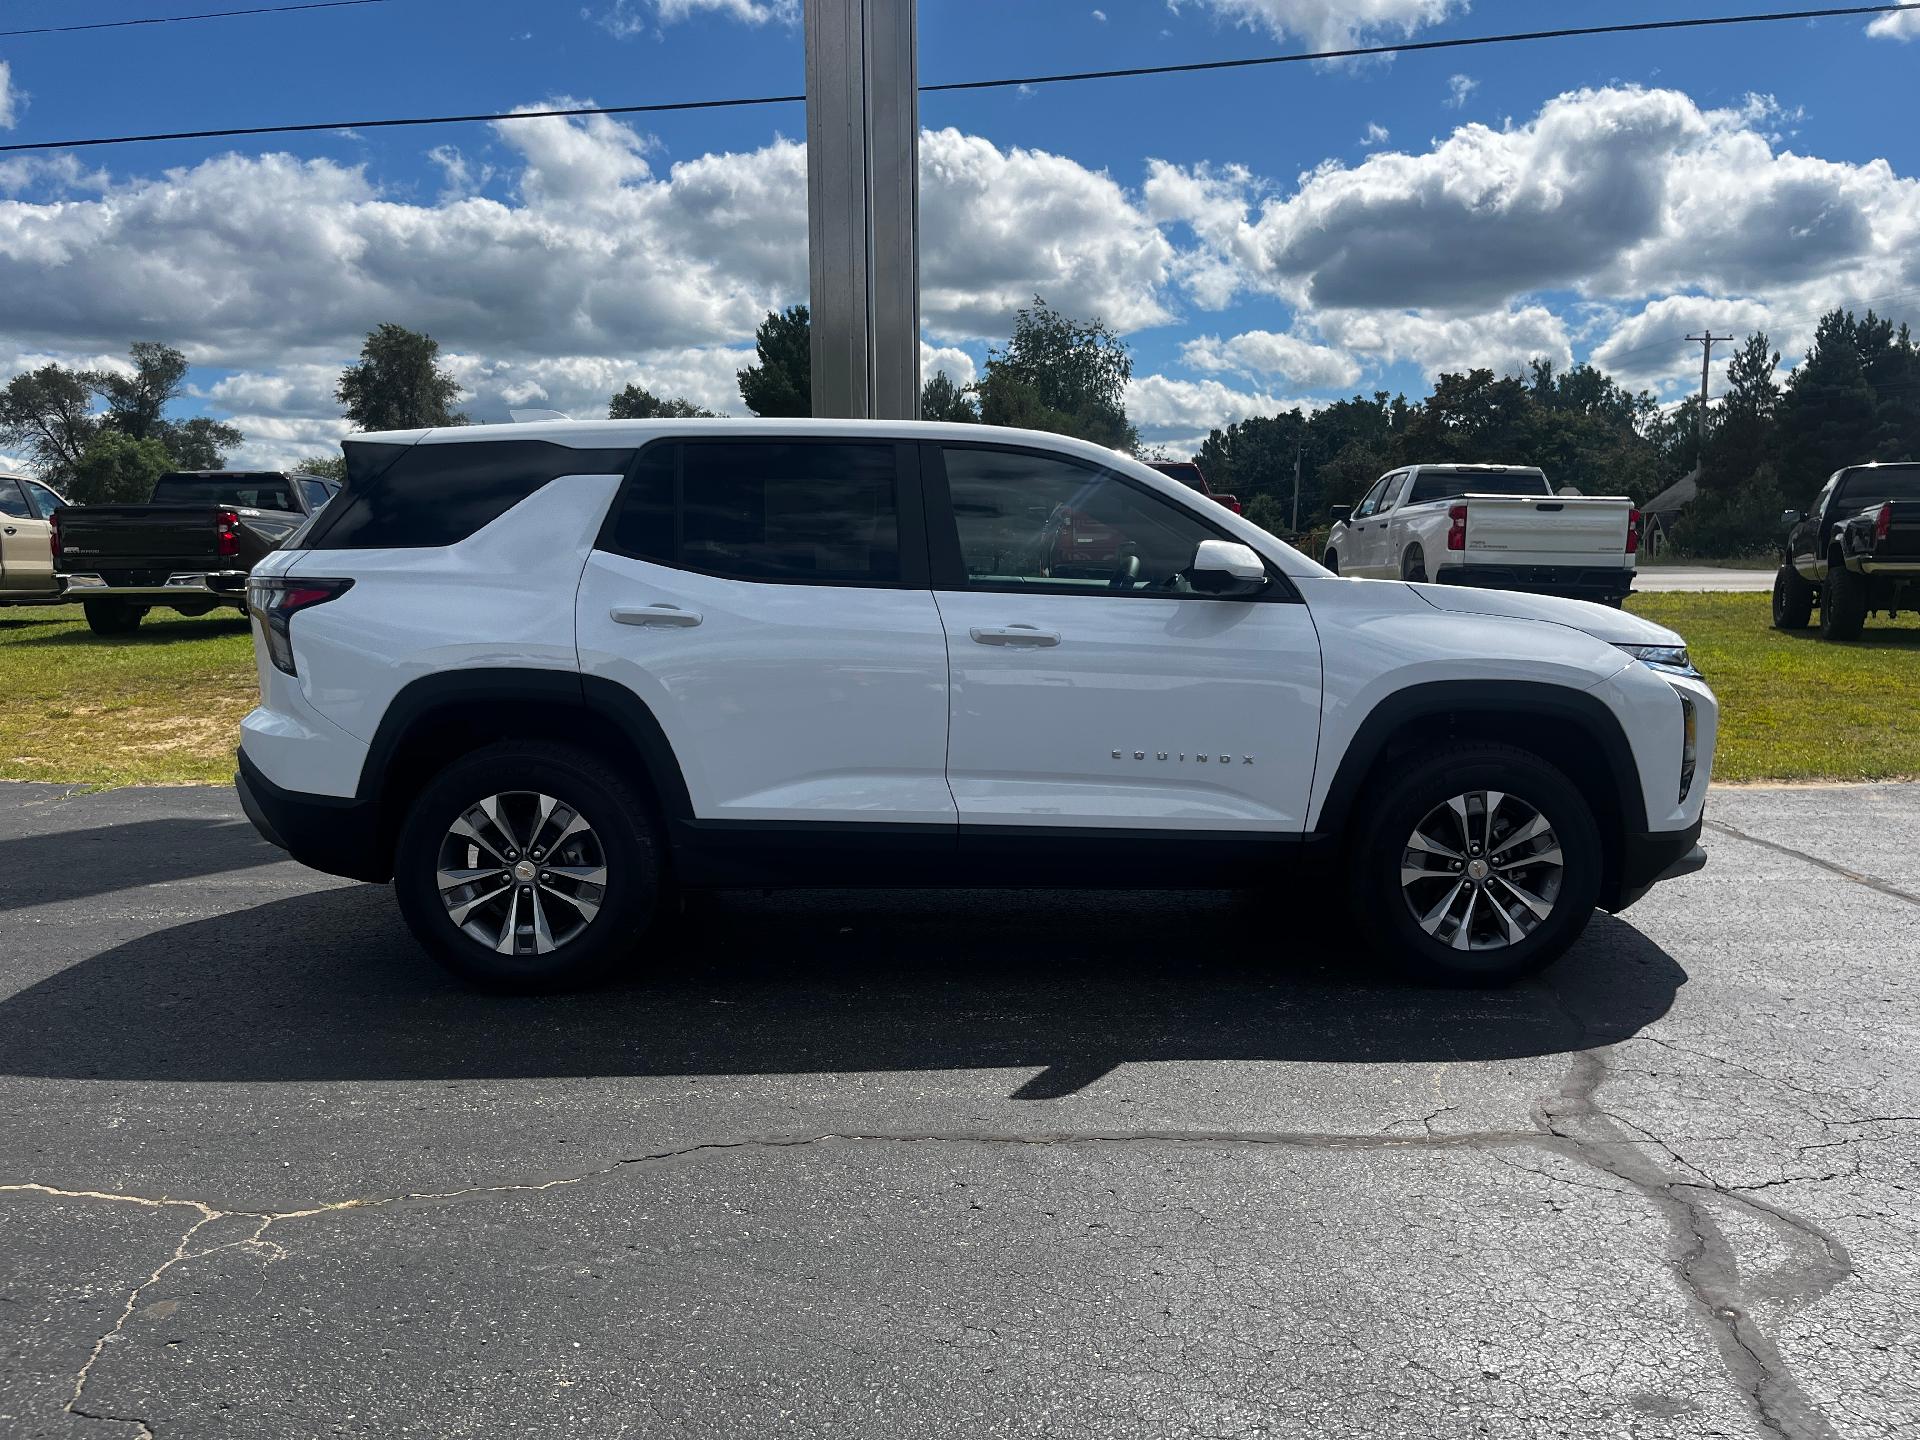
x=522 y=873
x=1482 y=871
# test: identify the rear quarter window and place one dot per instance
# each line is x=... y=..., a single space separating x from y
x=429 y=496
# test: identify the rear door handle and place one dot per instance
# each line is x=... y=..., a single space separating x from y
x=1026 y=637
x=12 y=531
x=667 y=616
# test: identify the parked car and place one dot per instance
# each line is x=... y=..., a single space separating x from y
x=190 y=549
x=1488 y=525
x=1189 y=474
x=1854 y=554
x=540 y=676
x=26 y=542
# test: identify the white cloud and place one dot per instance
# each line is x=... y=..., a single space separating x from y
x=1176 y=412
x=1377 y=134
x=627 y=18
x=12 y=101
x=1903 y=25
x=1504 y=341
x=1334 y=24
x=957 y=364
x=1460 y=89
x=1101 y=16
x=1258 y=353
x=1648 y=349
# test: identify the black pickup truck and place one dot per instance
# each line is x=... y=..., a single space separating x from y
x=189 y=549
x=1854 y=554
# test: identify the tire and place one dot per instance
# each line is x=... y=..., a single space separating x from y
x=620 y=842
x=113 y=617
x=1792 y=600
x=1497 y=951
x=1332 y=562
x=1843 y=604
x=1413 y=566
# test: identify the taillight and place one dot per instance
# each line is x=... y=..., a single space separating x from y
x=229 y=527
x=53 y=534
x=1232 y=502
x=1633 y=532
x=1457 y=528
x=275 y=601
x=1883 y=522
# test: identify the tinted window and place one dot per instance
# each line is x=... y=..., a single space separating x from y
x=43 y=499
x=318 y=493
x=1031 y=521
x=1870 y=487
x=244 y=492
x=1392 y=497
x=821 y=514
x=432 y=495
x=642 y=527
x=1372 y=501
x=13 y=501
x=1448 y=484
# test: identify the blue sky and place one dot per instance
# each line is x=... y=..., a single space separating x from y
x=1265 y=236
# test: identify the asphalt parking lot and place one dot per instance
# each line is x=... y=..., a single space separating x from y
x=972 y=1164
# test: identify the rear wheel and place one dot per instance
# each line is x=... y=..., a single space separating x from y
x=1792 y=599
x=1413 y=566
x=1843 y=604
x=1479 y=865
x=529 y=866
x=113 y=617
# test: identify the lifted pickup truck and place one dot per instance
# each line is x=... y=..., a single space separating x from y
x=1855 y=553
x=1497 y=527
x=189 y=550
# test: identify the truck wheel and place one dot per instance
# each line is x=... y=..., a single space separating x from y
x=1332 y=562
x=1843 y=606
x=1413 y=566
x=1792 y=600
x=1479 y=865
x=112 y=617
x=528 y=866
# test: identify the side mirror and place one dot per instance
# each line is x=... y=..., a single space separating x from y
x=1791 y=517
x=1223 y=567
x=1341 y=513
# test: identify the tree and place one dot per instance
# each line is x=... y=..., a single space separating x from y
x=327 y=467
x=781 y=385
x=137 y=403
x=399 y=383
x=636 y=402
x=941 y=399
x=116 y=469
x=1061 y=375
x=48 y=412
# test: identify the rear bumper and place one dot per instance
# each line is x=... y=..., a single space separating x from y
x=227 y=586
x=1578 y=581
x=1648 y=860
x=336 y=835
x=1909 y=568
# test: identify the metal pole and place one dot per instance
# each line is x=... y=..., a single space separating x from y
x=863 y=207
x=1298 y=451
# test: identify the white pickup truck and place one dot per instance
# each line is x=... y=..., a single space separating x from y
x=1498 y=527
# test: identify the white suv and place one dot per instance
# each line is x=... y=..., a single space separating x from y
x=540 y=676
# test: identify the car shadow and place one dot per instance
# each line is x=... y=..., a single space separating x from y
x=78 y=864
x=1906 y=638
x=329 y=987
x=152 y=631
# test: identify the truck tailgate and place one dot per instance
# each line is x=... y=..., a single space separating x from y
x=183 y=536
x=1517 y=530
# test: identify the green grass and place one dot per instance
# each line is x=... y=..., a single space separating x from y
x=1794 y=706
x=161 y=707
x=164 y=706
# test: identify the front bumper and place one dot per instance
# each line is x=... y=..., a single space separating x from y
x=340 y=836
x=1650 y=859
x=1578 y=582
x=227 y=586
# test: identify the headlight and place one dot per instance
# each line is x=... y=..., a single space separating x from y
x=1671 y=658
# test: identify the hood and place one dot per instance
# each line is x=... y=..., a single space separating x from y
x=1602 y=622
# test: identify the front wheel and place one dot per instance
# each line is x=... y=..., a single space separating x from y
x=1792 y=599
x=1478 y=866
x=528 y=866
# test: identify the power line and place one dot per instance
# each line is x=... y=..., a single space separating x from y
x=740 y=102
x=181 y=19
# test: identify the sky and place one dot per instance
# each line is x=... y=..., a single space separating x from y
x=1264 y=238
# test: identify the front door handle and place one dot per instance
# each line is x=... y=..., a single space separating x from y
x=668 y=616
x=12 y=531
x=1026 y=637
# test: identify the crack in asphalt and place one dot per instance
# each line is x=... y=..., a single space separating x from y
x=1872 y=882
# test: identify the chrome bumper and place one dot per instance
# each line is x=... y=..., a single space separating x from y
x=1890 y=567
x=181 y=584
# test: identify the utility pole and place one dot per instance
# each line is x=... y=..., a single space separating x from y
x=863 y=207
x=1298 y=452
x=1707 y=341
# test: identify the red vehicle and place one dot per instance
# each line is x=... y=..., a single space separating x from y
x=1188 y=474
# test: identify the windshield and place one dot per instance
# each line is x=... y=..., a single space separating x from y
x=243 y=492
x=1875 y=487
x=1445 y=484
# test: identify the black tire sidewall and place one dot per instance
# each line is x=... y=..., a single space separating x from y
x=1843 y=608
x=1413 y=566
x=618 y=818
x=1381 y=905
